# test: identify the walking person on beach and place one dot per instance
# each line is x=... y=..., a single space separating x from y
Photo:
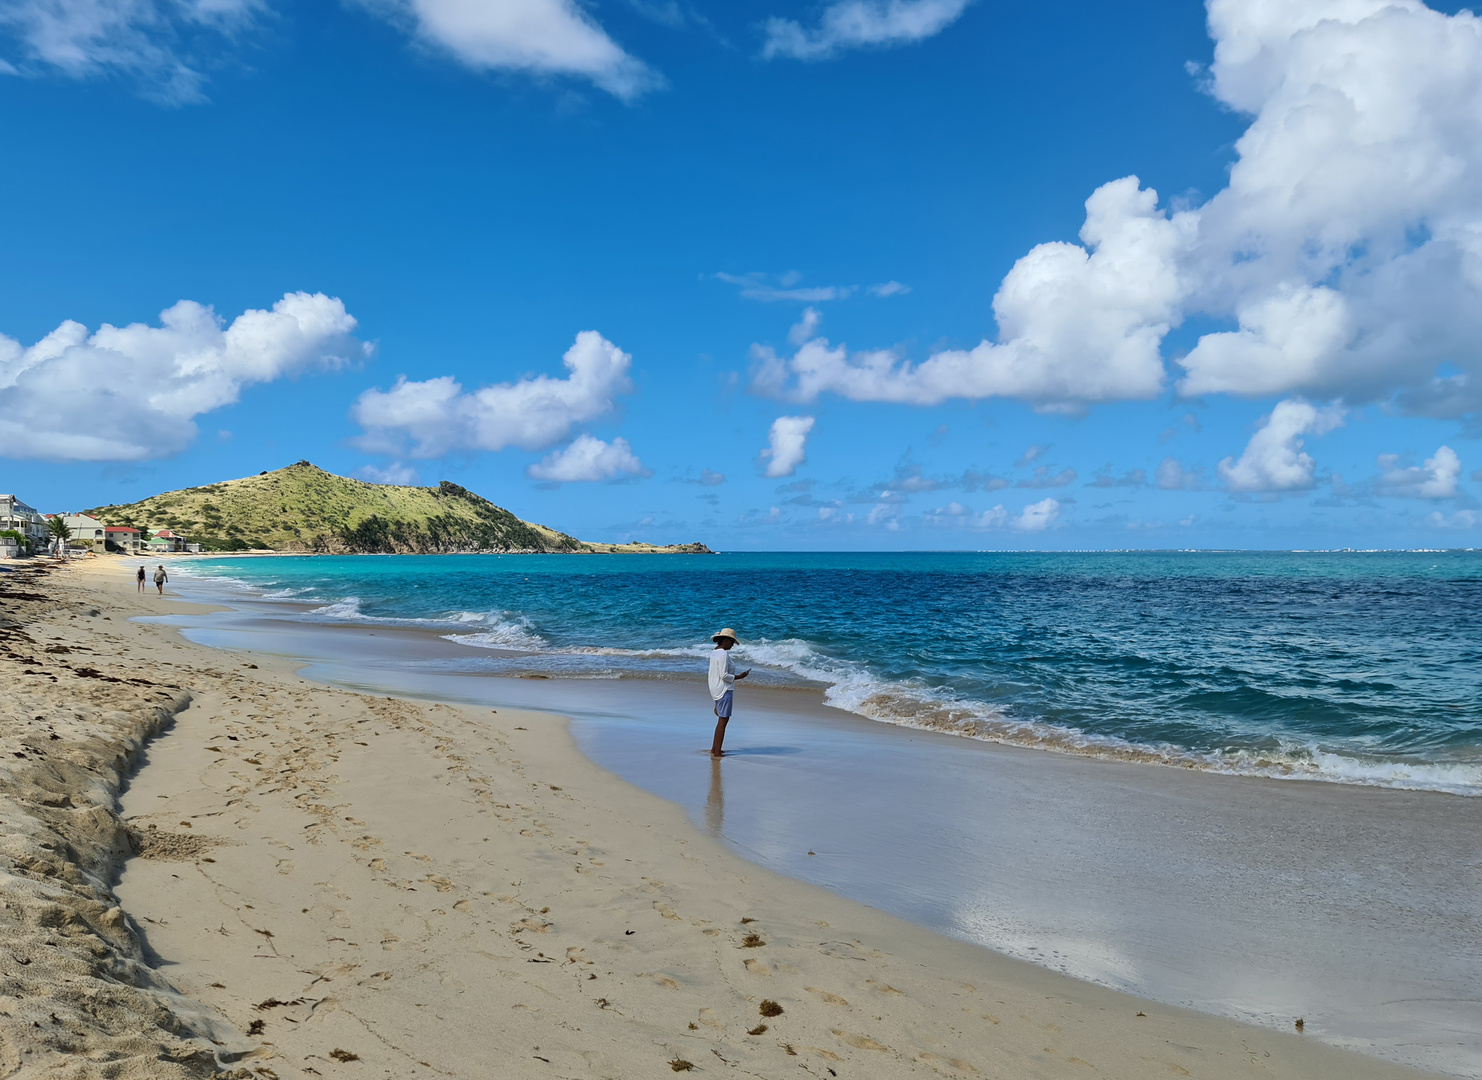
x=140 y=578
x=723 y=676
x=160 y=577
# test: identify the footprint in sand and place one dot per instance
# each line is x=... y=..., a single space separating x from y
x=860 y=1042
x=832 y=999
x=944 y=1064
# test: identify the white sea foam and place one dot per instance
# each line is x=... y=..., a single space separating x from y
x=908 y=703
x=348 y=608
x=1310 y=762
x=503 y=630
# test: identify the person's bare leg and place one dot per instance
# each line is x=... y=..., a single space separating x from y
x=720 y=736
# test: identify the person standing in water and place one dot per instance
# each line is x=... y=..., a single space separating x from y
x=140 y=578
x=723 y=677
x=160 y=577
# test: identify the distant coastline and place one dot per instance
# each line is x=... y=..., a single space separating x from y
x=587 y=549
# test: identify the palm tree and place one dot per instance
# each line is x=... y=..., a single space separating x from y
x=61 y=532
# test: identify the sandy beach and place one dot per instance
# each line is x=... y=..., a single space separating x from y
x=213 y=867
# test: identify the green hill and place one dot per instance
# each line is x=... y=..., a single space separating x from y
x=303 y=508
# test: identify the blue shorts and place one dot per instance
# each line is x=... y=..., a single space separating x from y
x=723 y=704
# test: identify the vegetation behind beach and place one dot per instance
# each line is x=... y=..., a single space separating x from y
x=302 y=508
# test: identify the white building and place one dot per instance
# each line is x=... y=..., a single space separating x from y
x=24 y=519
x=124 y=537
x=86 y=527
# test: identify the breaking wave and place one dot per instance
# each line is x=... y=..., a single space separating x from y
x=348 y=608
x=851 y=687
x=501 y=630
x=1342 y=711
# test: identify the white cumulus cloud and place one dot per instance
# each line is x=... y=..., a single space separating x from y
x=952 y=511
x=885 y=514
x=1344 y=255
x=787 y=445
x=1436 y=479
x=588 y=458
x=1075 y=325
x=542 y=37
x=1347 y=246
x=1037 y=517
x=131 y=393
x=1461 y=519
x=853 y=24
x=805 y=327
x=1274 y=460
x=436 y=416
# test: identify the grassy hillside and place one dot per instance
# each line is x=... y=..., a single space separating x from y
x=303 y=508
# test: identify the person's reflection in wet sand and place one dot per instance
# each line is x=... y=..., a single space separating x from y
x=715 y=803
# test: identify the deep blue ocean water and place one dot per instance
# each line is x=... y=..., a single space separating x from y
x=1360 y=667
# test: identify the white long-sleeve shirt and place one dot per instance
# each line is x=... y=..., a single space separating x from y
x=722 y=673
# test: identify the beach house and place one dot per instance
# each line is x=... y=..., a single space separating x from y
x=165 y=540
x=85 y=527
x=122 y=538
x=175 y=541
x=16 y=516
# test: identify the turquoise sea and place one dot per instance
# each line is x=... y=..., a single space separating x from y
x=1354 y=667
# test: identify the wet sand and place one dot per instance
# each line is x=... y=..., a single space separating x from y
x=1261 y=900
x=333 y=883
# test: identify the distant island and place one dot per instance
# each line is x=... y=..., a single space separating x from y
x=303 y=509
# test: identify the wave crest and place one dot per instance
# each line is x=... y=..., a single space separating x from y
x=910 y=704
x=504 y=630
x=348 y=608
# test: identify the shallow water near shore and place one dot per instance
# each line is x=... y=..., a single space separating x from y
x=1354 y=908
x=1350 y=667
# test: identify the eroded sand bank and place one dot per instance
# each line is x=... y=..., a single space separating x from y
x=339 y=884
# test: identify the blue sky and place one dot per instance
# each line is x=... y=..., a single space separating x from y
x=904 y=273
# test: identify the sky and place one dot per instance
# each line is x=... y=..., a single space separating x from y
x=767 y=274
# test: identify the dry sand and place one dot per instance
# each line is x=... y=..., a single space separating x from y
x=333 y=884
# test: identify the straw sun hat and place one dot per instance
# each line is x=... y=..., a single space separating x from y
x=727 y=632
